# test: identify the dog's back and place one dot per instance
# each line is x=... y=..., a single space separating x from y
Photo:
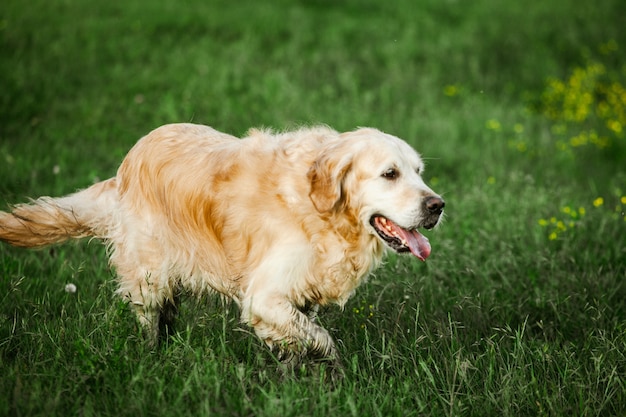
x=93 y=212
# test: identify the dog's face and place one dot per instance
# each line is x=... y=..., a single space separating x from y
x=379 y=176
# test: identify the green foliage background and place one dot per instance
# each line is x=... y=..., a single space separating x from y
x=518 y=108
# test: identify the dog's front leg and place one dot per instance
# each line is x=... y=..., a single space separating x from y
x=287 y=330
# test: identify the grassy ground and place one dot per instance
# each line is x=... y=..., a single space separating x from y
x=519 y=109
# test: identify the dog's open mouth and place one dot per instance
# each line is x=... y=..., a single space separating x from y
x=399 y=239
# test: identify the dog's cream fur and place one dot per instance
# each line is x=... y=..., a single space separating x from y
x=280 y=223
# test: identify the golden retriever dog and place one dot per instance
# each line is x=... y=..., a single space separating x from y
x=281 y=223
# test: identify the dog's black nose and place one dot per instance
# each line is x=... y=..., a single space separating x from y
x=434 y=204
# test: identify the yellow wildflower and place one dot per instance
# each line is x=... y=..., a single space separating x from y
x=615 y=126
x=493 y=124
x=568 y=210
x=451 y=90
x=579 y=140
x=598 y=202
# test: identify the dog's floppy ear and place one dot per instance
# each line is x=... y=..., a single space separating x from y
x=326 y=176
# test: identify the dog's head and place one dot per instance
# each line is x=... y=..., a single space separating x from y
x=378 y=177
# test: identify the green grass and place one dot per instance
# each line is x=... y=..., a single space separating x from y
x=520 y=310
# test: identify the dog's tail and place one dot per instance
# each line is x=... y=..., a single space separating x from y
x=52 y=220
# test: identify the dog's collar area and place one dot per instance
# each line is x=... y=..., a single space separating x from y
x=399 y=239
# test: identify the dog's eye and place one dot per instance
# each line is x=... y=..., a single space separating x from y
x=390 y=174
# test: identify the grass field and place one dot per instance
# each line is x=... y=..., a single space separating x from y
x=519 y=109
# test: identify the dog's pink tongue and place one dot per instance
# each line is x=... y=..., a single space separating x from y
x=413 y=240
x=417 y=243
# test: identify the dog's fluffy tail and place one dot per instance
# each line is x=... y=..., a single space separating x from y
x=52 y=220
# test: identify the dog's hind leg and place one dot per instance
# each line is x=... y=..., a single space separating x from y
x=144 y=299
x=144 y=277
x=146 y=292
x=168 y=315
